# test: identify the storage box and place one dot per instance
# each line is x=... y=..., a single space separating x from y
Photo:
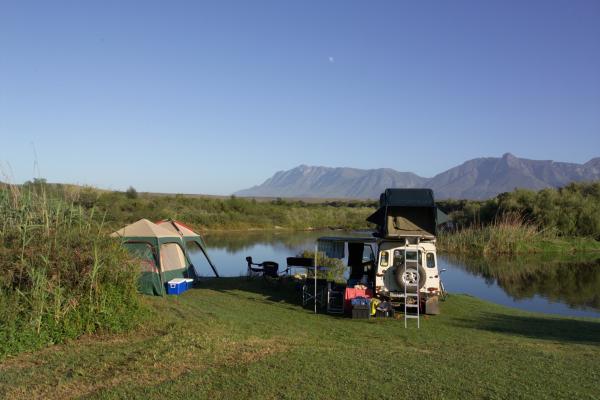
x=361 y=312
x=351 y=293
x=176 y=286
x=385 y=314
x=189 y=283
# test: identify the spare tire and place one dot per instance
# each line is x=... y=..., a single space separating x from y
x=410 y=276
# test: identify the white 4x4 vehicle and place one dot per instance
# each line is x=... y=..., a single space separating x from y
x=420 y=273
x=400 y=259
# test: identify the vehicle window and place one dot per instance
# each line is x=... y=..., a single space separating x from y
x=384 y=259
x=412 y=256
x=430 y=260
x=398 y=257
x=368 y=254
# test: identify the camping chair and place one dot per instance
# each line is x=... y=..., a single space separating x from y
x=308 y=286
x=308 y=292
x=335 y=297
x=265 y=269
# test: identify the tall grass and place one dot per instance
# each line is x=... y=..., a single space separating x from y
x=60 y=275
x=507 y=234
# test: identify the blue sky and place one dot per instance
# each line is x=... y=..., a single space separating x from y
x=198 y=97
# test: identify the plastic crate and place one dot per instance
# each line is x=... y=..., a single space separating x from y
x=361 y=312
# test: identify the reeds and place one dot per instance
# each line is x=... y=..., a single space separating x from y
x=60 y=275
x=507 y=234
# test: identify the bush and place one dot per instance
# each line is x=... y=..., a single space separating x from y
x=335 y=266
x=573 y=210
x=131 y=193
x=61 y=275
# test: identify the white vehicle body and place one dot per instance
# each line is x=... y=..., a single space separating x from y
x=390 y=273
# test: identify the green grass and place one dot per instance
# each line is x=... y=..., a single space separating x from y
x=209 y=213
x=234 y=338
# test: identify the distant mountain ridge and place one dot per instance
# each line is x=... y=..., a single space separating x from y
x=479 y=178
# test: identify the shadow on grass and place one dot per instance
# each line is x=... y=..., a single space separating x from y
x=282 y=290
x=547 y=328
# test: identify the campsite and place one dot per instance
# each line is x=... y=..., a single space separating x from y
x=302 y=200
x=234 y=337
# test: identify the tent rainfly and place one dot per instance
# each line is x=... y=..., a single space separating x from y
x=162 y=254
x=407 y=212
x=191 y=239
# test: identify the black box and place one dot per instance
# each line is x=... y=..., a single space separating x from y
x=361 y=312
x=385 y=314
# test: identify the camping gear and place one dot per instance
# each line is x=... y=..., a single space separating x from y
x=317 y=294
x=191 y=240
x=374 y=304
x=161 y=253
x=407 y=212
x=385 y=310
x=265 y=268
x=176 y=286
x=319 y=290
x=432 y=306
x=335 y=297
x=299 y=262
x=189 y=283
x=352 y=293
x=361 y=308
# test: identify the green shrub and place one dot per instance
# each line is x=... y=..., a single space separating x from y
x=573 y=210
x=62 y=276
x=335 y=266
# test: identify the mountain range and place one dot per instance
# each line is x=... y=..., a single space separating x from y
x=476 y=179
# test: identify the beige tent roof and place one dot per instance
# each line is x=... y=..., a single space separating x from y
x=144 y=228
x=177 y=227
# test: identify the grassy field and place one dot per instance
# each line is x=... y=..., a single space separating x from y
x=208 y=213
x=233 y=338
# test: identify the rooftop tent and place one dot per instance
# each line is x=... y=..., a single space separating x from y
x=407 y=212
x=161 y=252
x=191 y=239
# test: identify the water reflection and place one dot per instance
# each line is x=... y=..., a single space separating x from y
x=568 y=286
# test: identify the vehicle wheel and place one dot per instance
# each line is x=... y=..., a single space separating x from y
x=410 y=277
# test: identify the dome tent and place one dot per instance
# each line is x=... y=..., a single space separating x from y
x=192 y=240
x=162 y=254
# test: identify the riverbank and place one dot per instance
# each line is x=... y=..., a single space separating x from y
x=512 y=236
x=234 y=338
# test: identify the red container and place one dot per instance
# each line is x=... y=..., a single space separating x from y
x=352 y=293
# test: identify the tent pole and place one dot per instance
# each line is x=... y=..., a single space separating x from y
x=316 y=255
x=209 y=261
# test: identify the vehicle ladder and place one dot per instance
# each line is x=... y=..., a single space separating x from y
x=411 y=309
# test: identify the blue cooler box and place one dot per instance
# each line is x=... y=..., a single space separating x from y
x=189 y=283
x=176 y=286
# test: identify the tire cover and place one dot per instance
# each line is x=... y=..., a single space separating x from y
x=410 y=270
